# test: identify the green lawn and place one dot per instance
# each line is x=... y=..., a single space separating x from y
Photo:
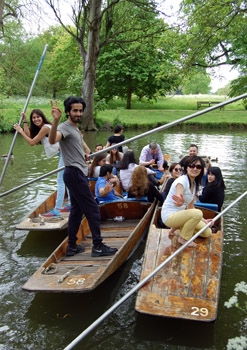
x=143 y=114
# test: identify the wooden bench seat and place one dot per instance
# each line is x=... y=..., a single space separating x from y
x=208 y=104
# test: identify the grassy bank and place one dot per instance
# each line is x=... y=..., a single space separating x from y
x=142 y=115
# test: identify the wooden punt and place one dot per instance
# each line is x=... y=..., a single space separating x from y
x=188 y=286
x=82 y=272
x=34 y=221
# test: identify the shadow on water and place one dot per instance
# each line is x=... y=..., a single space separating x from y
x=37 y=243
x=175 y=331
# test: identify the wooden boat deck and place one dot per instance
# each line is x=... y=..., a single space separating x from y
x=34 y=221
x=188 y=286
x=88 y=272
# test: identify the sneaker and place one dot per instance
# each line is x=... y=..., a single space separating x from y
x=72 y=251
x=65 y=209
x=103 y=250
x=52 y=213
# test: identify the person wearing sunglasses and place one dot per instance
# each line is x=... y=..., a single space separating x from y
x=178 y=209
x=175 y=171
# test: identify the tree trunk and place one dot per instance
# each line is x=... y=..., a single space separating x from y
x=90 y=62
x=129 y=93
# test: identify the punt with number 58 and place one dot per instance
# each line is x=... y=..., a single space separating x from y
x=123 y=225
x=188 y=286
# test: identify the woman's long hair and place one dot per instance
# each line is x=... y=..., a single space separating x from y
x=218 y=182
x=95 y=163
x=34 y=129
x=139 y=181
x=128 y=158
x=192 y=160
x=117 y=155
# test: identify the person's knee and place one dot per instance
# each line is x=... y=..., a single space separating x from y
x=197 y=214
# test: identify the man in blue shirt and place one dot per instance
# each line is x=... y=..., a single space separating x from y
x=104 y=188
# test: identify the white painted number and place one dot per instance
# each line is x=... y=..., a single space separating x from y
x=199 y=312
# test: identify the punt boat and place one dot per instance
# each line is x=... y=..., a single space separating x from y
x=35 y=221
x=123 y=225
x=188 y=286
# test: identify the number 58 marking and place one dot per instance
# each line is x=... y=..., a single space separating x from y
x=199 y=311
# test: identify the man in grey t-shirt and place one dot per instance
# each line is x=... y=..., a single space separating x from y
x=75 y=177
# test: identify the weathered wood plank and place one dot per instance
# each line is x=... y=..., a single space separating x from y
x=186 y=287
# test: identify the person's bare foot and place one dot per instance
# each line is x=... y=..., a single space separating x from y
x=183 y=241
x=172 y=231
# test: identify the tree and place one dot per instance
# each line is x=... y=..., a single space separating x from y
x=9 y=14
x=88 y=18
x=128 y=67
x=197 y=83
x=216 y=36
x=215 y=32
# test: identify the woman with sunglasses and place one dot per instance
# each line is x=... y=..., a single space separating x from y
x=175 y=171
x=178 y=210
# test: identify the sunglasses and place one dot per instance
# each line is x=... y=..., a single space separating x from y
x=193 y=166
x=177 y=169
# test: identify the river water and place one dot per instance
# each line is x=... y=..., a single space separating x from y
x=51 y=321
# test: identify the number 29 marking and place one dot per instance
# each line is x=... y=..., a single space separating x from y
x=199 y=311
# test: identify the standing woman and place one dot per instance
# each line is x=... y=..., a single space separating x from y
x=178 y=209
x=214 y=190
x=38 y=133
x=116 y=138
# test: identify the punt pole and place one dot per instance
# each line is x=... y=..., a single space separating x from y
x=24 y=110
x=142 y=282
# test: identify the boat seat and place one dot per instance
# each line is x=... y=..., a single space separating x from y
x=211 y=206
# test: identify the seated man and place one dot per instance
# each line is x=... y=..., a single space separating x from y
x=151 y=154
x=104 y=188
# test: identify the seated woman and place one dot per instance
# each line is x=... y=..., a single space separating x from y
x=114 y=158
x=127 y=166
x=214 y=190
x=178 y=208
x=98 y=161
x=104 y=188
x=142 y=187
x=175 y=171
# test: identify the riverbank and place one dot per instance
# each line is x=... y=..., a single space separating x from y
x=143 y=115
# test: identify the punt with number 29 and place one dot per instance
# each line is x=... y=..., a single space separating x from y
x=188 y=286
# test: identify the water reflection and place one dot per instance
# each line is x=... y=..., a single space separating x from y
x=49 y=321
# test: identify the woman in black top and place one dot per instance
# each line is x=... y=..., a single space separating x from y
x=116 y=138
x=214 y=190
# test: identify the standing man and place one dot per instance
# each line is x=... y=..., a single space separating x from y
x=152 y=154
x=75 y=177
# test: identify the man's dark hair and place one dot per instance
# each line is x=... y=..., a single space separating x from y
x=104 y=169
x=71 y=100
x=193 y=145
